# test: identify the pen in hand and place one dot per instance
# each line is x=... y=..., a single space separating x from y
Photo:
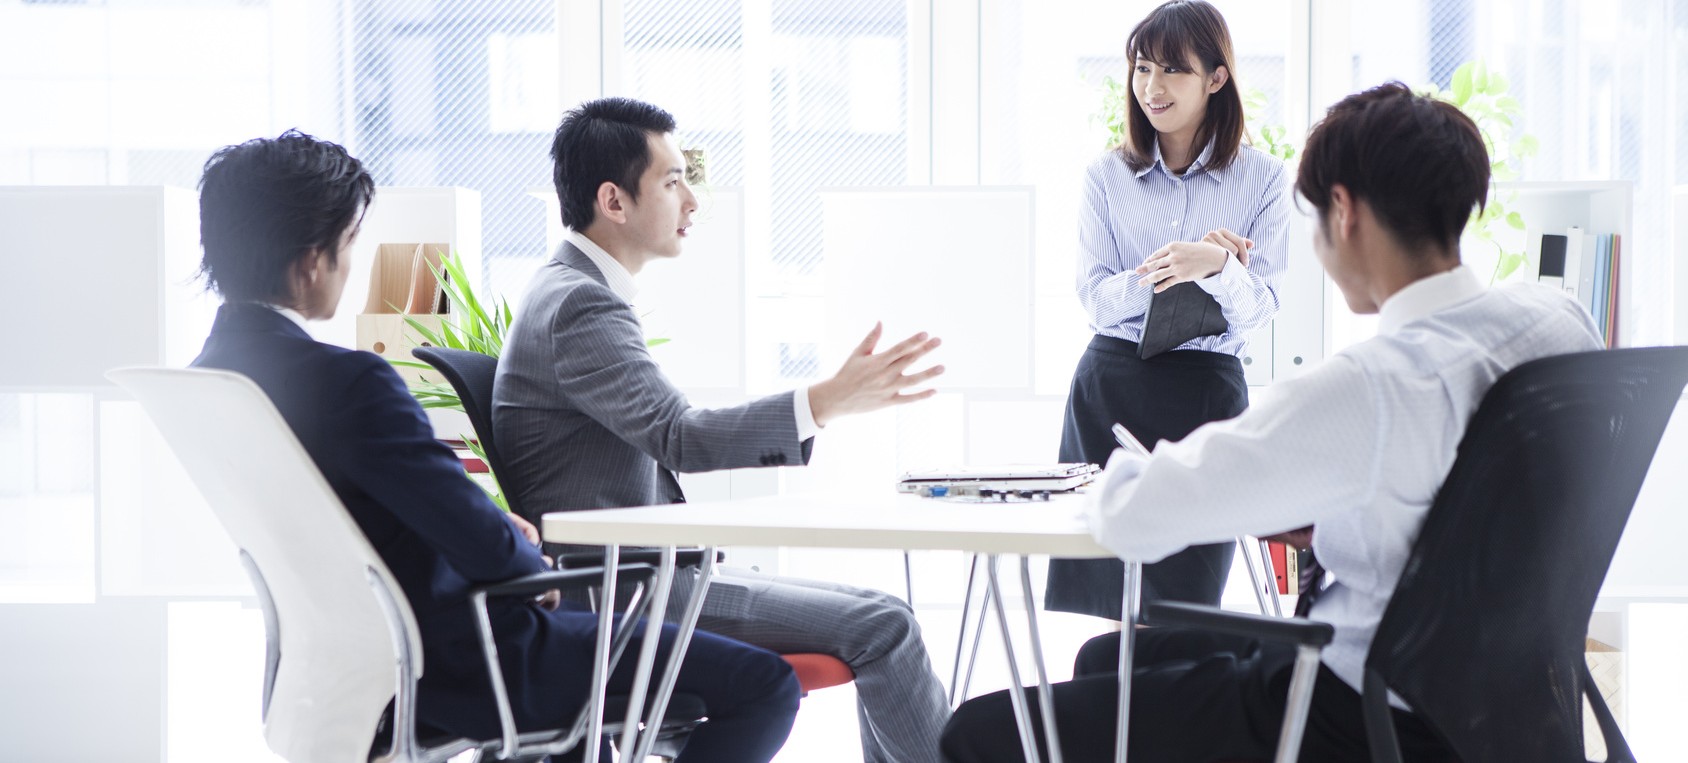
x=1127 y=441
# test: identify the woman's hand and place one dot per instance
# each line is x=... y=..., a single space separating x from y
x=1182 y=261
x=1234 y=243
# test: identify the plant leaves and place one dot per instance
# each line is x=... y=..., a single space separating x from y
x=1515 y=220
x=1509 y=262
x=1461 y=84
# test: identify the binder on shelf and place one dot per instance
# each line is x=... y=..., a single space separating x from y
x=1614 y=246
x=1579 y=259
x=1286 y=567
x=1276 y=552
x=1552 y=265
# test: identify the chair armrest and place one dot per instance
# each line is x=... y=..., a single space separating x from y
x=685 y=557
x=540 y=582
x=1282 y=629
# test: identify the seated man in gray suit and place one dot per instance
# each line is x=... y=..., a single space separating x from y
x=585 y=418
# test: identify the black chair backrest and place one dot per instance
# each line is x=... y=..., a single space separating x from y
x=471 y=374
x=1484 y=635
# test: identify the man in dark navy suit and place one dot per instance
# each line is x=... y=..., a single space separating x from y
x=277 y=220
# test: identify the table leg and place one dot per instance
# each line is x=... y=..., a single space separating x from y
x=1248 y=552
x=600 y=659
x=1295 y=711
x=1127 y=643
x=688 y=625
x=961 y=637
x=908 y=578
x=630 y=732
x=1045 y=697
x=1016 y=692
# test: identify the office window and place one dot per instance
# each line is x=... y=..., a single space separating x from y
x=784 y=99
x=1594 y=80
x=461 y=93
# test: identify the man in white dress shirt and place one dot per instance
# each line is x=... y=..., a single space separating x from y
x=1356 y=448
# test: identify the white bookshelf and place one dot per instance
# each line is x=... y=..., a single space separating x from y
x=1598 y=207
x=398 y=215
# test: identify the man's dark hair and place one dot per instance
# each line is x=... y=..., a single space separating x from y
x=1418 y=162
x=1191 y=35
x=602 y=141
x=266 y=203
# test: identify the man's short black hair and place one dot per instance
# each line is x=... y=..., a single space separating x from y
x=266 y=203
x=602 y=141
x=1418 y=162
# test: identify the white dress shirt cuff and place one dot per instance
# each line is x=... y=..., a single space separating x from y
x=1226 y=280
x=806 y=426
x=1105 y=506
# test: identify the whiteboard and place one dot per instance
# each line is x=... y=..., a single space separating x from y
x=954 y=262
x=101 y=277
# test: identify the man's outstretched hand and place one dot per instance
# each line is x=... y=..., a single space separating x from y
x=870 y=381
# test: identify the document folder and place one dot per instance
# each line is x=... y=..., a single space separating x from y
x=1176 y=316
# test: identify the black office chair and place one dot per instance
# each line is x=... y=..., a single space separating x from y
x=471 y=374
x=1484 y=634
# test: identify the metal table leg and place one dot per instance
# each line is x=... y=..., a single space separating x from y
x=1127 y=644
x=1257 y=559
x=1295 y=711
x=671 y=674
x=1045 y=697
x=600 y=660
x=959 y=682
x=1016 y=693
x=630 y=732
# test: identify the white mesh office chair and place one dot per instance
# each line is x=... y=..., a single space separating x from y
x=342 y=640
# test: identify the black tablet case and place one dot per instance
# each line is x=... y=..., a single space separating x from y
x=1176 y=316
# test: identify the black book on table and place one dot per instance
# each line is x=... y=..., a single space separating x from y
x=1177 y=315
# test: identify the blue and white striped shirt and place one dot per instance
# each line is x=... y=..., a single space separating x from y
x=1128 y=215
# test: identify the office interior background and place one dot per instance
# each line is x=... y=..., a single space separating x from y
x=912 y=160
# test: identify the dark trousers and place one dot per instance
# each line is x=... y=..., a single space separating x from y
x=1195 y=696
x=1163 y=398
x=750 y=692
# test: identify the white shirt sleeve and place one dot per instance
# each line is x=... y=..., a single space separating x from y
x=806 y=426
x=1312 y=450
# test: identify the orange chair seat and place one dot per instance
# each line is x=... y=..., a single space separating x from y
x=819 y=671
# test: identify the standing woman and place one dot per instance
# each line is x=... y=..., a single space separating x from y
x=1182 y=202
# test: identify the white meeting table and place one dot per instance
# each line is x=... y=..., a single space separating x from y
x=883 y=520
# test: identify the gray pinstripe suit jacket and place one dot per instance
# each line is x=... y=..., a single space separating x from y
x=584 y=418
